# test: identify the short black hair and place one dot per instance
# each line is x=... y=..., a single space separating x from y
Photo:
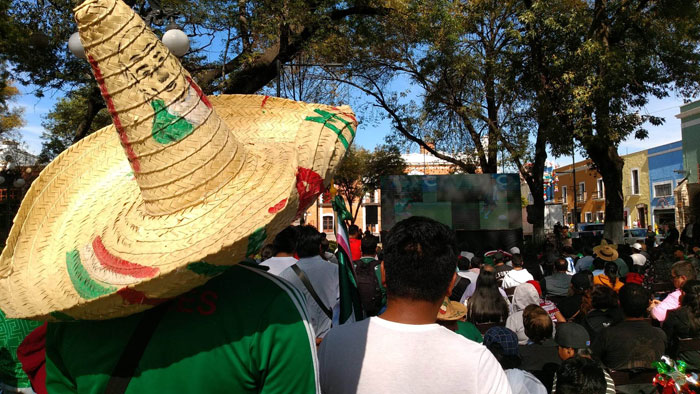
x=308 y=242
x=286 y=240
x=603 y=297
x=463 y=263
x=580 y=375
x=420 y=258
x=634 y=300
x=517 y=260
x=561 y=264
x=369 y=244
x=353 y=230
x=476 y=262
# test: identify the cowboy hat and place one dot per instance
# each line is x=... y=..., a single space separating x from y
x=180 y=187
x=605 y=252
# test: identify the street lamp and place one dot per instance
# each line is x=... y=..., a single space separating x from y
x=174 y=38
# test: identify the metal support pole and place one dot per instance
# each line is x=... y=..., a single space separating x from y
x=279 y=75
x=573 y=171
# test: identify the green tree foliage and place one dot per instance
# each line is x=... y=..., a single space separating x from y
x=361 y=171
x=10 y=117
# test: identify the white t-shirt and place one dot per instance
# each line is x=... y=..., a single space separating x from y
x=523 y=382
x=324 y=279
x=379 y=356
x=515 y=278
x=278 y=264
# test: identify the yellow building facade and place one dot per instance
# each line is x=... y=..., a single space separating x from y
x=635 y=189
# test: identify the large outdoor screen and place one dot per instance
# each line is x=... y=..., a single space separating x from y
x=469 y=202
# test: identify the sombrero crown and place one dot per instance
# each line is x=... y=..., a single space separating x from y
x=180 y=187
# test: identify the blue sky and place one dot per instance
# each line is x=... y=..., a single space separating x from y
x=371 y=134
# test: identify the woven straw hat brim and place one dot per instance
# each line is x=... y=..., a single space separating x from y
x=86 y=203
x=606 y=253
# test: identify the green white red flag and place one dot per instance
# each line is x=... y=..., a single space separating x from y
x=350 y=306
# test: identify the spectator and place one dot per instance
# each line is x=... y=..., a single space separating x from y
x=266 y=252
x=672 y=235
x=320 y=288
x=326 y=254
x=601 y=310
x=503 y=344
x=609 y=277
x=525 y=295
x=487 y=304
x=516 y=276
x=638 y=258
x=607 y=252
x=585 y=262
x=634 y=342
x=499 y=263
x=475 y=265
x=684 y=322
x=580 y=375
x=355 y=237
x=368 y=277
x=284 y=245
x=570 y=306
x=452 y=315
x=472 y=286
x=558 y=283
x=573 y=341
x=419 y=269
x=636 y=274
x=466 y=268
x=12 y=332
x=681 y=272
x=540 y=353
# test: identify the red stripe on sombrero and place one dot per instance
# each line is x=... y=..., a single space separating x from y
x=277 y=207
x=201 y=94
x=135 y=297
x=264 y=101
x=115 y=117
x=120 y=266
x=348 y=114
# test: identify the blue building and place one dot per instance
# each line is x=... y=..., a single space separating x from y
x=665 y=171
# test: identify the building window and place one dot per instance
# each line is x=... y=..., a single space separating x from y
x=327 y=222
x=568 y=219
x=563 y=193
x=601 y=217
x=589 y=217
x=663 y=189
x=581 y=192
x=601 y=191
x=635 y=181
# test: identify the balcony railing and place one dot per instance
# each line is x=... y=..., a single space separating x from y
x=598 y=195
x=581 y=196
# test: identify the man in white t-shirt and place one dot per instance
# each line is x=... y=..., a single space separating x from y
x=517 y=276
x=322 y=291
x=284 y=245
x=403 y=350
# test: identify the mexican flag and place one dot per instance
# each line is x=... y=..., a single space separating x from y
x=350 y=306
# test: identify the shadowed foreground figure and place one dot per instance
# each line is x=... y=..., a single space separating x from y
x=403 y=349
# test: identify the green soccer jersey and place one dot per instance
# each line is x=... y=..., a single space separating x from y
x=244 y=331
x=12 y=333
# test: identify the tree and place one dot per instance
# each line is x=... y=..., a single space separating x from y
x=10 y=117
x=361 y=171
x=614 y=56
x=249 y=40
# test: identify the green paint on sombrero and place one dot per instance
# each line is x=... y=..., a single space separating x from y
x=167 y=127
x=207 y=269
x=327 y=119
x=61 y=316
x=255 y=241
x=82 y=282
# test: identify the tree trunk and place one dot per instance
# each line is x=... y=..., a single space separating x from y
x=609 y=165
x=94 y=104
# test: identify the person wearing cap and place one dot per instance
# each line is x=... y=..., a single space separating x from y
x=503 y=344
x=129 y=243
x=452 y=315
x=570 y=305
x=403 y=348
x=573 y=341
x=681 y=272
x=634 y=342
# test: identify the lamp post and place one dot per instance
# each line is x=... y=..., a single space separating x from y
x=174 y=38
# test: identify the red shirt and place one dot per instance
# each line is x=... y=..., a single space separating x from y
x=355 y=249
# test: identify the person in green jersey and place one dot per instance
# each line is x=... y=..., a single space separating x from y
x=12 y=332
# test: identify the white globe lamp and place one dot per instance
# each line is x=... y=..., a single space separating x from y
x=76 y=46
x=177 y=41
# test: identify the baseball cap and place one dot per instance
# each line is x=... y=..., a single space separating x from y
x=514 y=250
x=466 y=254
x=571 y=335
x=503 y=336
x=581 y=281
x=637 y=246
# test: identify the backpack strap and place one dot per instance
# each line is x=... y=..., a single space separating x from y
x=129 y=360
x=305 y=280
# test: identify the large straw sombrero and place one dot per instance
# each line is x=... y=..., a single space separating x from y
x=180 y=187
x=605 y=251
